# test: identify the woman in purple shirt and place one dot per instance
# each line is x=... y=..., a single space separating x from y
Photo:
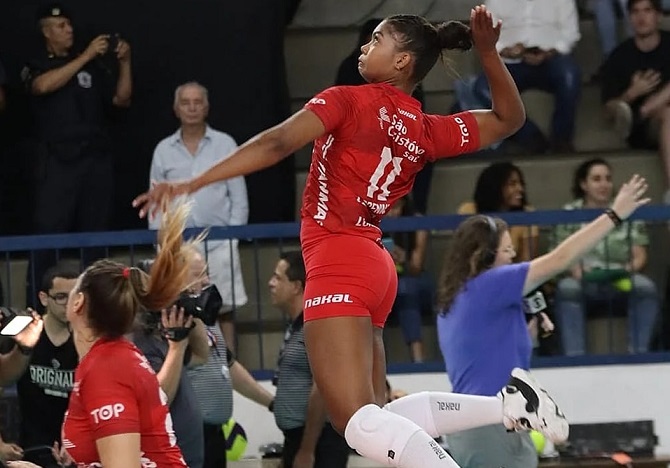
x=482 y=328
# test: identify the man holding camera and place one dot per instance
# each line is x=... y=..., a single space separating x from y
x=171 y=344
x=71 y=94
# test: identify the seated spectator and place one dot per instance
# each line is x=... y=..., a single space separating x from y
x=605 y=12
x=610 y=272
x=636 y=82
x=535 y=43
x=415 y=287
x=501 y=187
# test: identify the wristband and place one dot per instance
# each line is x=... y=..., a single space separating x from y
x=271 y=406
x=25 y=350
x=177 y=334
x=614 y=217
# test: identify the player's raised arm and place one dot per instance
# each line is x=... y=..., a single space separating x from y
x=263 y=150
x=507 y=114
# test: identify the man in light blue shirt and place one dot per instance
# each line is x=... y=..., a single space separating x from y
x=190 y=151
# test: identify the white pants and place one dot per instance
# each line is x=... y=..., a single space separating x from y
x=223 y=260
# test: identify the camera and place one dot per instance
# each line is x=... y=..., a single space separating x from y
x=113 y=43
x=13 y=321
x=205 y=305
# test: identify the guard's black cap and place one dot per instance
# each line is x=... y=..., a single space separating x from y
x=51 y=10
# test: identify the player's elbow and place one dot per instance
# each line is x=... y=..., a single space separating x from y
x=514 y=121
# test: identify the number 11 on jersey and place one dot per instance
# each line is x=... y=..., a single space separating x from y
x=374 y=190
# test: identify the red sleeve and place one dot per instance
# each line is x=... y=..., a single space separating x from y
x=334 y=106
x=108 y=396
x=452 y=135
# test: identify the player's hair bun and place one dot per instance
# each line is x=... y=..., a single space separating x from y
x=454 y=35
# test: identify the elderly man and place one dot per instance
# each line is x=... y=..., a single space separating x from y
x=191 y=150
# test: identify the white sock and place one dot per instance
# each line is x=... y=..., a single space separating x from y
x=392 y=440
x=440 y=413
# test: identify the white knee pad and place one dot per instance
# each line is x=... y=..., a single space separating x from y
x=379 y=435
x=416 y=407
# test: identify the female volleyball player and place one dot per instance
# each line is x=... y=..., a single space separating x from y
x=118 y=415
x=369 y=143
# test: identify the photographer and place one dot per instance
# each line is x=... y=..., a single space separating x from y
x=215 y=381
x=172 y=344
x=72 y=94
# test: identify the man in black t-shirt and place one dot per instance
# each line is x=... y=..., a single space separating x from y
x=636 y=82
x=44 y=387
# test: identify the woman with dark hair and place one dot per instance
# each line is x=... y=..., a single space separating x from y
x=610 y=273
x=482 y=326
x=501 y=187
x=348 y=74
x=370 y=141
x=118 y=415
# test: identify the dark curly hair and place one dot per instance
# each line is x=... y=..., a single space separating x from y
x=426 y=42
x=489 y=188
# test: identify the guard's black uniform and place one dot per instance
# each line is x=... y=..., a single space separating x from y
x=72 y=167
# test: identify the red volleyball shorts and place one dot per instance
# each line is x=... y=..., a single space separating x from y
x=348 y=275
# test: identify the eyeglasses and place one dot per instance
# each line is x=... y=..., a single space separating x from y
x=59 y=298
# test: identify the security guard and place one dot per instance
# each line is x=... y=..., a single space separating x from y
x=70 y=93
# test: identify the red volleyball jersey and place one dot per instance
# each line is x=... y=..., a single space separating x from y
x=116 y=392
x=376 y=140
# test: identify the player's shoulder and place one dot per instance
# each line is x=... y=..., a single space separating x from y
x=118 y=355
x=357 y=94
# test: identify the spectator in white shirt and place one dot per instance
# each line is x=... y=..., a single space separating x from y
x=191 y=150
x=536 y=41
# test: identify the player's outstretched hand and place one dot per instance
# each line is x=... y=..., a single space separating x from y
x=158 y=196
x=631 y=197
x=485 y=32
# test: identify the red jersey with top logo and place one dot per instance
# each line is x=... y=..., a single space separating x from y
x=116 y=392
x=376 y=140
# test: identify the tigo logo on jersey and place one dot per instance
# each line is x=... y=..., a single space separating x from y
x=107 y=412
x=328 y=299
x=465 y=134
